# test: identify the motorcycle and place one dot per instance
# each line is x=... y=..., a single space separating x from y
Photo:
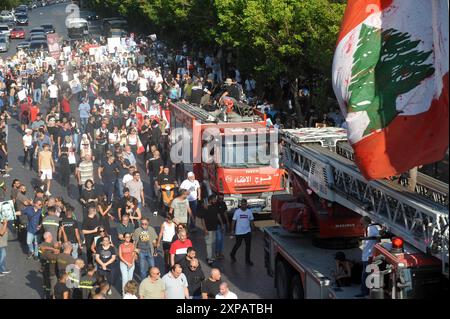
x=168 y=194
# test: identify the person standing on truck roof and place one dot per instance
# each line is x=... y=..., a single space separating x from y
x=242 y=225
x=195 y=195
x=372 y=233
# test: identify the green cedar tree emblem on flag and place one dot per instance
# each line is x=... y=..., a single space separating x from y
x=386 y=64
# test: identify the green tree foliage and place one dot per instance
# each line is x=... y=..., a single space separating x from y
x=9 y=4
x=269 y=37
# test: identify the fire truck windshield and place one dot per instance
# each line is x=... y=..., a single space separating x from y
x=244 y=155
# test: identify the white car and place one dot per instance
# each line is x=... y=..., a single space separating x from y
x=5 y=30
x=4 y=44
x=7 y=15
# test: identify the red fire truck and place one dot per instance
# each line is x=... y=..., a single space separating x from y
x=238 y=170
x=321 y=212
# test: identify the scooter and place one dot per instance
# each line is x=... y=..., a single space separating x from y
x=168 y=194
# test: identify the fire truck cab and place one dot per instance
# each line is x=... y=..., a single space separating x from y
x=231 y=152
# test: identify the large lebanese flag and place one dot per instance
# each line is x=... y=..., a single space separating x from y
x=390 y=76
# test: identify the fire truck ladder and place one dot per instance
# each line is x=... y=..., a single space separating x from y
x=419 y=220
x=198 y=112
x=426 y=186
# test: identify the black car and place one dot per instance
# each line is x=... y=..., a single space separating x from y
x=37 y=37
x=89 y=15
x=22 y=19
x=23 y=45
x=48 y=28
x=21 y=10
x=38 y=45
x=37 y=30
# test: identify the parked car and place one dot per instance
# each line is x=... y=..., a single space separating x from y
x=23 y=45
x=4 y=44
x=89 y=15
x=17 y=33
x=8 y=21
x=37 y=30
x=48 y=28
x=7 y=15
x=21 y=19
x=22 y=8
x=5 y=30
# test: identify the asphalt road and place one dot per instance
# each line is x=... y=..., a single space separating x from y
x=25 y=280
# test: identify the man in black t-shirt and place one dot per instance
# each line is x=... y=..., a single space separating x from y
x=232 y=91
x=121 y=208
x=69 y=231
x=154 y=168
x=165 y=178
x=36 y=86
x=145 y=135
x=155 y=135
x=108 y=174
x=222 y=228
x=211 y=218
x=211 y=285
x=90 y=229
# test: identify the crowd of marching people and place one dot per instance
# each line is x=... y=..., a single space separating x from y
x=100 y=120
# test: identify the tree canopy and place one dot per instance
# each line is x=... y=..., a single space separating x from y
x=269 y=37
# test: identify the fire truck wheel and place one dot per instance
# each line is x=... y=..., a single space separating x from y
x=283 y=274
x=297 y=288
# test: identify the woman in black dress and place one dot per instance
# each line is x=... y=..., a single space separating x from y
x=104 y=212
x=88 y=197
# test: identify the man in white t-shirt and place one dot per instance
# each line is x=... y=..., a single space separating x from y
x=143 y=85
x=128 y=177
x=99 y=101
x=108 y=106
x=195 y=192
x=53 y=94
x=123 y=87
x=242 y=225
x=132 y=77
x=142 y=99
x=225 y=292
x=28 y=147
x=158 y=78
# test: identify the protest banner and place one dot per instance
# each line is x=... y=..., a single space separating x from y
x=53 y=45
x=7 y=211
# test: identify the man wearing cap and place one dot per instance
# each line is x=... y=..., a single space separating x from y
x=195 y=192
